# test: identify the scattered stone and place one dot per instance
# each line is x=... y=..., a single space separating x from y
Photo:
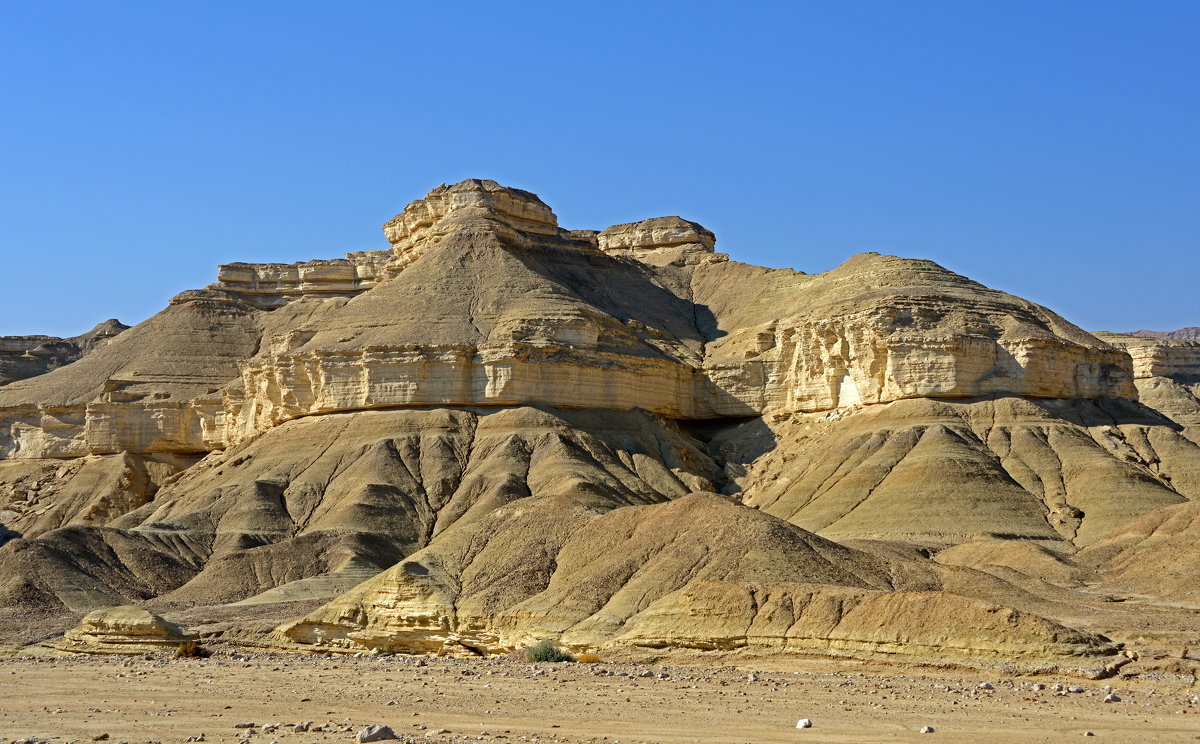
x=984 y=686
x=245 y=725
x=1112 y=697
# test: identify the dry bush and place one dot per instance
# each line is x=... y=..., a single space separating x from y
x=192 y=650
x=590 y=659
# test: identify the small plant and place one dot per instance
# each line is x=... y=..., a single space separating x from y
x=590 y=659
x=192 y=650
x=547 y=651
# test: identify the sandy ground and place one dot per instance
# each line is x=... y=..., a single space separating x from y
x=164 y=699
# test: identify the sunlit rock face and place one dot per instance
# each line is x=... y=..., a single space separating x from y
x=484 y=300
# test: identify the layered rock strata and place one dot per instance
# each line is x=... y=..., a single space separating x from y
x=272 y=284
x=123 y=630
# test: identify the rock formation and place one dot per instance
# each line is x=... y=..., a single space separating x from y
x=123 y=630
x=30 y=356
x=500 y=431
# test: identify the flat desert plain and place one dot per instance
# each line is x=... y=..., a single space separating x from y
x=164 y=699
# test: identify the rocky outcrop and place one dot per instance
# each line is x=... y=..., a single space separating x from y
x=271 y=285
x=126 y=629
x=661 y=241
x=29 y=356
x=1167 y=374
x=1159 y=356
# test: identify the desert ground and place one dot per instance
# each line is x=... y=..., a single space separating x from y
x=164 y=699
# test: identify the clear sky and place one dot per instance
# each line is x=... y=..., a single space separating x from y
x=1050 y=148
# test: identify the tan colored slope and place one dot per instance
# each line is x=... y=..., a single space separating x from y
x=1156 y=556
x=948 y=472
x=1032 y=562
x=330 y=497
x=697 y=573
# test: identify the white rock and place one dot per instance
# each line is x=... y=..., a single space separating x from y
x=985 y=686
x=804 y=723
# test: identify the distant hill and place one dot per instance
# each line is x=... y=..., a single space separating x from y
x=1191 y=333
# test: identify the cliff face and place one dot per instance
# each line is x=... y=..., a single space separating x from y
x=492 y=384
x=484 y=300
x=1167 y=375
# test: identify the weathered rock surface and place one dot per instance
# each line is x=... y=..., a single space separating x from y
x=487 y=435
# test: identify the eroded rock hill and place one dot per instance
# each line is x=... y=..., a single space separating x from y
x=618 y=439
x=29 y=356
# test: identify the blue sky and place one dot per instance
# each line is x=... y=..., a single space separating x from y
x=1049 y=149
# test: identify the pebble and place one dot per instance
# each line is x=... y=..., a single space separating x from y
x=985 y=686
x=245 y=724
x=804 y=723
x=927 y=729
x=1112 y=697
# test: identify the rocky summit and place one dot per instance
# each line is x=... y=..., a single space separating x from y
x=500 y=431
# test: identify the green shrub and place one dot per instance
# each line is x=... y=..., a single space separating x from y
x=547 y=651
